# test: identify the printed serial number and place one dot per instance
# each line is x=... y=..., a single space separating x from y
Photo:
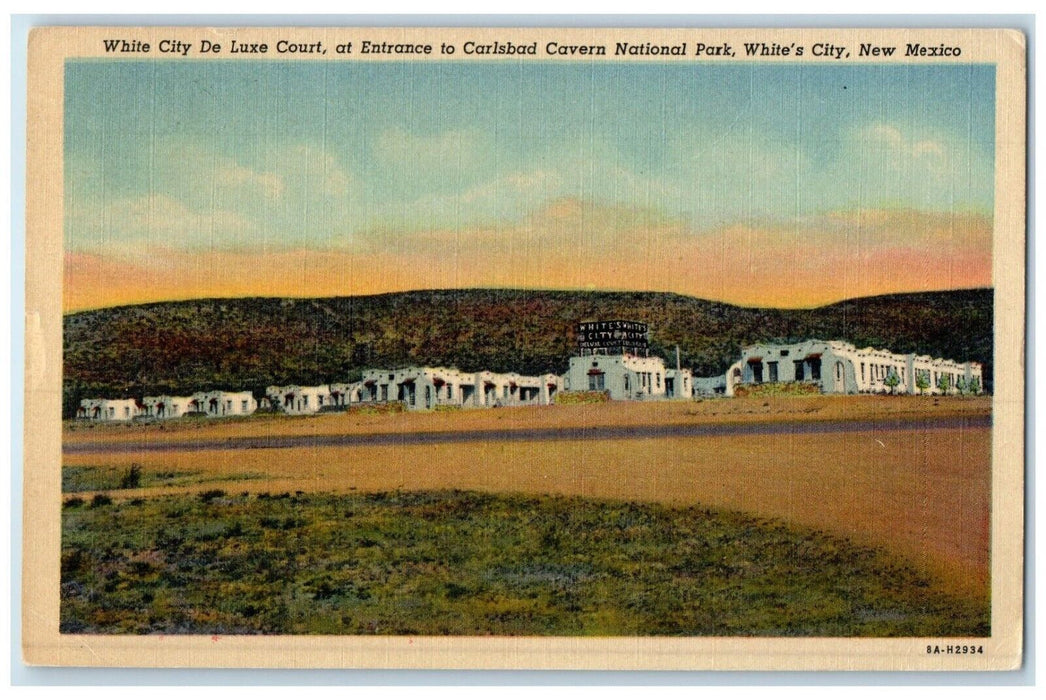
x=955 y=649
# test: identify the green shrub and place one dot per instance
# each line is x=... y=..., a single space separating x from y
x=572 y=398
x=769 y=389
x=132 y=478
x=100 y=499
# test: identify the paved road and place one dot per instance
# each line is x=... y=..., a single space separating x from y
x=533 y=435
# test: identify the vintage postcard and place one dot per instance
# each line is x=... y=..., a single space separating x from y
x=525 y=348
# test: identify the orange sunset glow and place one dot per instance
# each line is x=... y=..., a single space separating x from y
x=572 y=245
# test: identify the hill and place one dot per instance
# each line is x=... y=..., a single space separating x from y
x=186 y=346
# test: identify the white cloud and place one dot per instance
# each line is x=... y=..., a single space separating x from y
x=891 y=144
x=153 y=220
x=232 y=174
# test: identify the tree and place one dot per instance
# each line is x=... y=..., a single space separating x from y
x=960 y=386
x=892 y=380
x=973 y=386
x=944 y=383
x=922 y=381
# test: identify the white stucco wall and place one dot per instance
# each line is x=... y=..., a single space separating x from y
x=166 y=407
x=299 y=400
x=109 y=409
x=625 y=377
x=838 y=367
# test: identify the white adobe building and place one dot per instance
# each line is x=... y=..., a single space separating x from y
x=494 y=389
x=426 y=388
x=549 y=385
x=838 y=367
x=223 y=403
x=341 y=393
x=161 y=407
x=109 y=409
x=419 y=388
x=710 y=386
x=298 y=400
x=627 y=377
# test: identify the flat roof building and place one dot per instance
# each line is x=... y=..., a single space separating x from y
x=838 y=367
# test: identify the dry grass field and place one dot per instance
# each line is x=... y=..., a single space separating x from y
x=921 y=494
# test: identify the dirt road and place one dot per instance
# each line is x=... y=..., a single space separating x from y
x=616 y=432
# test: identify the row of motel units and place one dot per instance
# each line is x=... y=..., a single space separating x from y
x=838 y=367
x=421 y=388
x=210 y=403
x=425 y=388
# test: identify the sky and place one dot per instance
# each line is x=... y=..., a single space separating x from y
x=779 y=185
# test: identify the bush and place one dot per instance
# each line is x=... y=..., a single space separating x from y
x=100 y=499
x=132 y=478
x=777 y=389
x=571 y=398
x=208 y=496
x=74 y=502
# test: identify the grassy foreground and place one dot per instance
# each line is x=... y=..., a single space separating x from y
x=465 y=563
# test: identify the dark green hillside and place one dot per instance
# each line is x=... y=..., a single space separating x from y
x=180 y=347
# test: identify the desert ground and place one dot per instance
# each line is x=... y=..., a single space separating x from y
x=882 y=473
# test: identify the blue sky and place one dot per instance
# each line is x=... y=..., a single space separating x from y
x=389 y=160
x=315 y=153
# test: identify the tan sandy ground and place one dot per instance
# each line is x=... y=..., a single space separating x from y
x=615 y=413
x=922 y=494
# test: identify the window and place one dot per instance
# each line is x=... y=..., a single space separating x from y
x=305 y=400
x=658 y=378
x=772 y=368
x=450 y=392
x=784 y=353
x=596 y=382
x=756 y=368
x=862 y=371
x=243 y=406
x=126 y=412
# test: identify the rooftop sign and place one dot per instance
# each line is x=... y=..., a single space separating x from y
x=612 y=337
